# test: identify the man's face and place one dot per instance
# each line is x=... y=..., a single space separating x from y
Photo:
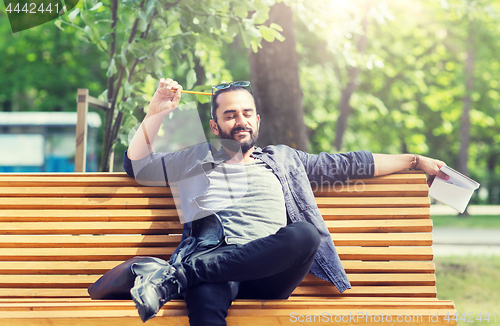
x=237 y=118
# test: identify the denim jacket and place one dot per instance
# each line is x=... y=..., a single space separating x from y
x=297 y=171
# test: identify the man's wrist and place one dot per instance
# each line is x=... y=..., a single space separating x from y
x=414 y=162
x=158 y=114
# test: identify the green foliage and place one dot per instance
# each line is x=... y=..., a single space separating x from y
x=412 y=78
x=43 y=67
x=159 y=38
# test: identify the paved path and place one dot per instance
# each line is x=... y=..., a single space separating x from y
x=440 y=209
x=449 y=241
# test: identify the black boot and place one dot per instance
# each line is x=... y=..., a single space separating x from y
x=153 y=290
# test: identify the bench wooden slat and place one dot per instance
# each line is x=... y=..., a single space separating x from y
x=84 y=203
x=376 y=226
x=366 y=190
x=80 y=215
x=69 y=241
x=380 y=291
x=48 y=281
x=148 y=203
x=67 y=215
x=389 y=266
x=382 y=239
x=43 y=293
x=100 y=179
x=347 y=302
x=294 y=299
x=371 y=190
x=293 y=302
x=65 y=180
x=174 y=318
x=355 y=213
x=169 y=214
x=271 y=317
x=351 y=226
x=77 y=304
x=385 y=253
x=387 y=279
x=421 y=316
x=117 y=318
x=62 y=254
x=57 y=267
x=159 y=227
x=104 y=192
x=396 y=178
x=347 y=253
x=235 y=317
x=84 y=281
x=73 y=305
x=101 y=267
x=107 y=241
x=372 y=202
x=360 y=291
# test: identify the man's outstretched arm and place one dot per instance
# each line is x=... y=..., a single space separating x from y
x=387 y=163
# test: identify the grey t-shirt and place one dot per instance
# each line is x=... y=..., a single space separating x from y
x=248 y=198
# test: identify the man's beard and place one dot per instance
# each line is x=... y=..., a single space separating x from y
x=228 y=141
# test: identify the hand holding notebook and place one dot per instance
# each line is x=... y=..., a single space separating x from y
x=454 y=192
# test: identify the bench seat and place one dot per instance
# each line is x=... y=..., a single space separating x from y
x=60 y=232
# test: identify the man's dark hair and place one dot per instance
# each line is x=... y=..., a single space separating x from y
x=231 y=88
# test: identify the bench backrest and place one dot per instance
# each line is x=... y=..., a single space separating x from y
x=60 y=232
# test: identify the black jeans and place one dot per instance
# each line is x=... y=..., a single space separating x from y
x=266 y=268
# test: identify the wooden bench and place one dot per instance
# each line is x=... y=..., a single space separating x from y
x=60 y=232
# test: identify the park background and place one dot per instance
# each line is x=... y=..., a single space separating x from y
x=416 y=76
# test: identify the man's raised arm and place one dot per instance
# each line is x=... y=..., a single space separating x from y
x=387 y=163
x=164 y=101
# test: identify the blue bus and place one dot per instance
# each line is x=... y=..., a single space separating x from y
x=44 y=141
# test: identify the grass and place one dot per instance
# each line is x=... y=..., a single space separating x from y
x=469 y=222
x=473 y=283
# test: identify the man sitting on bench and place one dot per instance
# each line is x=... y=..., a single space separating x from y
x=252 y=227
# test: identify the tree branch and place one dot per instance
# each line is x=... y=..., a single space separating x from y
x=110 y=84
x=122 y=69
x=120 y=116
x=173 y=4
x=112 y=47
x=209 y=15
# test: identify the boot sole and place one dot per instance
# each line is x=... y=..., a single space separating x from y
x=139 y=304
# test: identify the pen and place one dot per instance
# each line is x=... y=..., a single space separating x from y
x=192 y=92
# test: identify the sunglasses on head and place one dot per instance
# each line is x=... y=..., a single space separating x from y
x=227 y=85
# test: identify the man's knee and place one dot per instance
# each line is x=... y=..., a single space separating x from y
x=303 y=235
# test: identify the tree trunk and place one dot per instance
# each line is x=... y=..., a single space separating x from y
x=350 y=88
x=463 y=155
x=467 y=106
x=108 y=120
x=274 y=72
x=493 y=182
x=203 y=109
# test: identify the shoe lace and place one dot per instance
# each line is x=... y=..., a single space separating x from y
x=167 y=284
